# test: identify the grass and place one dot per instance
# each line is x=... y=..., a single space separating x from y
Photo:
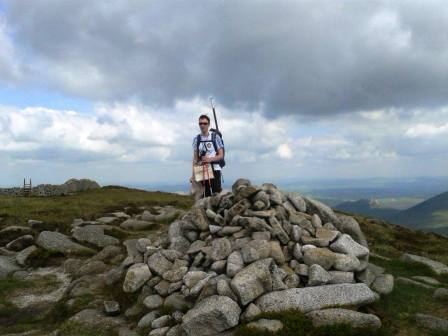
x=393 y=240
x=59 y=212
x=71 y=328
x=406 y=269
x=9 y=314
x=396 y=310
x=297 y=323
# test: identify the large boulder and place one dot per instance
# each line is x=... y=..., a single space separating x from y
x=56 y=241
x=312 y=298
x=211 y=316
x=355 y=319
x=436 y=266
x=94 y=234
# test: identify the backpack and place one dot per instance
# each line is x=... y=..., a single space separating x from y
x=222 y=162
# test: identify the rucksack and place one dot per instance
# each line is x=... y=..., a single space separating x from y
x=222 y=162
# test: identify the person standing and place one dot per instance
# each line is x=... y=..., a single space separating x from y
x=208 y=148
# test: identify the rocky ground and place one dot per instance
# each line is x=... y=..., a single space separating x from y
x=252 y=261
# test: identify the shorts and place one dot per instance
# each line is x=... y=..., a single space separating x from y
x=215 y=184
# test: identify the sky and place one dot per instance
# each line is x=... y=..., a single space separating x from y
x=111 y=90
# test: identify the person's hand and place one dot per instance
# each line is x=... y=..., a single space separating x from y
x=206 y=159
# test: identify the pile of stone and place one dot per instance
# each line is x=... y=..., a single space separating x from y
x=255 y=249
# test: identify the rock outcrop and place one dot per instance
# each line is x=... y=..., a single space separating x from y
x=69 y=187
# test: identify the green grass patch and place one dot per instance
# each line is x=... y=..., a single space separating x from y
x=296 y=323
x=407 y=269
x=396 y=310
x=10 y=315
x=71 y=328
x=59 y=212
x=393 y=240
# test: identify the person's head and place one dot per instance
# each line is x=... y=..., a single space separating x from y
x=204 y=123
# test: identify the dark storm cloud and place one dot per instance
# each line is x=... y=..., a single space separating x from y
x=287 y=57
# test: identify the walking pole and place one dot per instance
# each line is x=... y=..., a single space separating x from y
x=214 y=113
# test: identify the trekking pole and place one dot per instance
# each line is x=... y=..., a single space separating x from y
x=214 y=113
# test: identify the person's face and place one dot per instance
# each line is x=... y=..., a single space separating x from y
x=203 y=125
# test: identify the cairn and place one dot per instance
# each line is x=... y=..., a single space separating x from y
x=254 y=249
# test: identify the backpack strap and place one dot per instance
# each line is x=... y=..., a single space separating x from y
x=215 y=146
x=198 y=141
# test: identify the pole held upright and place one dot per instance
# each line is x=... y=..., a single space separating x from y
x=214 y=113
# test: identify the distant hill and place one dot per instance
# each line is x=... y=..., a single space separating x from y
x=430 y=215
x=367 y=207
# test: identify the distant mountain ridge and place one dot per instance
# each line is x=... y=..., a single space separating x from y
x=429 y=215
x=369 y=207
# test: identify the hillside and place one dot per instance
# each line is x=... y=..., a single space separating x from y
x=367 y=207
x=127 y=214
x=430 y=215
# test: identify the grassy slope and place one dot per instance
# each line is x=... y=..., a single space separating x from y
x=384 y=238
x=59 y=212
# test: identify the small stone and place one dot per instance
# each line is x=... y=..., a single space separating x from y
x=431 y=322
x=191 y=278
x=147 y=319
x=159 y=264
x=250 y=313
x=219 y=266
x=441 y=294
x=383 y=284
x=316 y=221
x=20 y=243
x=223 y=289
x=341 y=277
x=267 y=325
x=235 y=263
x=161 y=321
x=249 y=254
x=111 y=308
x=261 y=235
x=136 y=276
x=346 y=244
x=159 y=332
x=153 y=301
x=23 y=255
x=317 y=275
x=221 y=248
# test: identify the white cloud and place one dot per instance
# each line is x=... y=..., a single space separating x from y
x=285 y=151
x=158 y=138
x=426 y=130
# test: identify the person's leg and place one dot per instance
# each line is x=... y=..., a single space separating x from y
x=207 y=187
x=216 y=183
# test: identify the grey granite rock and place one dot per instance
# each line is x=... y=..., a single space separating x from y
x=333 y=316
x=318 y=297
x=212 y=315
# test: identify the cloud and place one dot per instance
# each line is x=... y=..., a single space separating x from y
x=131 y=132
x=283 y=58
x=429 y=130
